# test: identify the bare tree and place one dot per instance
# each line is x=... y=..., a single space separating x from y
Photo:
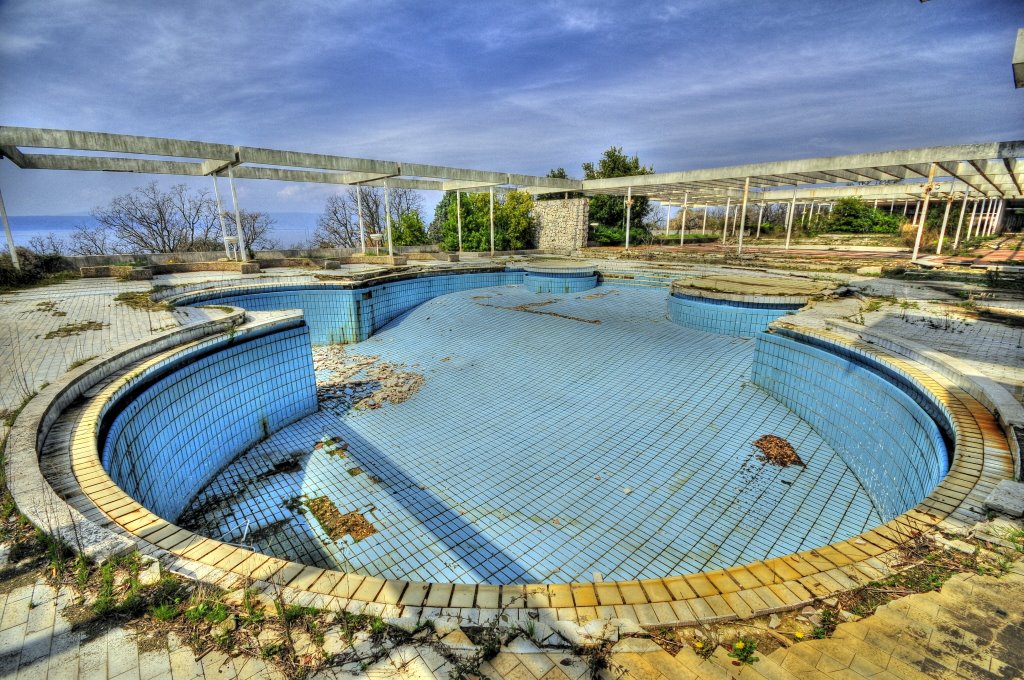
x=50 y=245
x=150 y=220
x=97 y=240
x=256 y=228
x=338 y=226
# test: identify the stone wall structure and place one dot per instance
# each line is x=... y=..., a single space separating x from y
x=561 y=224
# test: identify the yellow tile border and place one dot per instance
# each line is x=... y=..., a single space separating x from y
x=737 y=592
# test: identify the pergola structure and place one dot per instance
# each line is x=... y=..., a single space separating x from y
x=105 y=152
x=985 y=175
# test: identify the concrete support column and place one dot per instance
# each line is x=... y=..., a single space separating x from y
x=760 y=214
x=682 y=222
x=904 y=208
x=387 y=217
x=629 y=208
x=790 y=214
x=970 y=224
x=458 y=216
x=704 y=224
x=725 y=223
x=492 y=223
x=359 y=216
x=242 y=250
x=667 y=218
x=9 y=235
x=743 y=216
x=945 y=219
x=220 y=216
x=924 y=211
x=999 y=215
x=960 y=221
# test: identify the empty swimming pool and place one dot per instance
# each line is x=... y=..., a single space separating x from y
x=544 y=437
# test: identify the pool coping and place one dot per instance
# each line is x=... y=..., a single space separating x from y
x=759 y=588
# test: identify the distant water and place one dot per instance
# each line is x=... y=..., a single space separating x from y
x=290 y=228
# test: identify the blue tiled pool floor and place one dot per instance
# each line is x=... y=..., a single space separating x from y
x=545 y=447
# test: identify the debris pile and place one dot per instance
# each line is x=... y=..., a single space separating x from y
x=336 y=524
x=777 y=451
x=350 y=380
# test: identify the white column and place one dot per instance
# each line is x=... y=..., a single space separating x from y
x=10 y=236
x=704 y=224
x=904 y=208
x=960 y=222
x=725 y=224
x=629 y=207
x=924 y=211
x=666 y=219
x=359 y=214
x=789 y=218
x=970 y=224
x=387 y=217
x=458 y=216
x=492 y=222
x=743 y=216
x=242 y=250
x=945 y=219
x=999 y=215
x=220 y=216
x=760 y=214
x=682 y=223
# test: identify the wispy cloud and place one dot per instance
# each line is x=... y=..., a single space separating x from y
x=522 y=87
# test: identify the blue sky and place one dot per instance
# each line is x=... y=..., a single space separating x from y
x=517 y=87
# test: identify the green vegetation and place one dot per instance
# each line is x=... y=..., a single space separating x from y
x=743 y=650
x=853 y=216
x=37 y=269
x=71 y=329
x=141 y=300
x=608 y=213
x=409 y=230
x=513 y=225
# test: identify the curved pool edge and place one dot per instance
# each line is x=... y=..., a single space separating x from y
x=982 y=459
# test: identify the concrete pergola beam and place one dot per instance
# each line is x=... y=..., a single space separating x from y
x=110 y=164
x=1018 y=59
x=888 y=161
x=77 y=140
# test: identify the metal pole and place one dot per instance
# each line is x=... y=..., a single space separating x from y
x=905 y=208
x=743 y=216
x=242 y=250
x=458 y=216
x=924 y=211
x=789 y=218
x=704 y=224
x=891 y=205
x=359 y=213
x=629 y=207
x=917 y=211
x=682 y=224
x=220 y=216
x=725 y=224
x=960 y=222
x=10 y=236
x=945 y=218
x=492 y=221
x=387 y=218
x=760 y=214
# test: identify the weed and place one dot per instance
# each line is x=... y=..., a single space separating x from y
x=142 y=301
x=829 y=620
x=164 y=612
x=71 y=329
x=80 y=362
x=743 y=651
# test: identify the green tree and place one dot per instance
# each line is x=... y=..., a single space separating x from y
x=409 y=230
x=434 y=231
x=609 y=212
x=513 y=222
x=559 y=173
x=853 y=215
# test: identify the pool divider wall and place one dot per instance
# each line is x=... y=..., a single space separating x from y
x=168 y=431
x=884 y=435
x=346 y=312
x=725 y=317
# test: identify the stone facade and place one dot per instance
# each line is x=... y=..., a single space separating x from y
x=561 y=224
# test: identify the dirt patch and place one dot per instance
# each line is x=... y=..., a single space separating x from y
x=70 y=329
x=141 y=300
x=777 y=451
x=336 y=524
